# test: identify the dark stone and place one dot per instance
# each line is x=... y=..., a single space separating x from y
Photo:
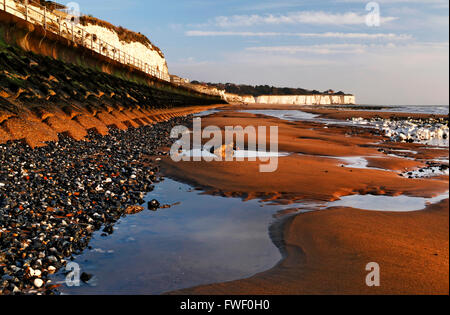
x=153 y=205
x=85 y=277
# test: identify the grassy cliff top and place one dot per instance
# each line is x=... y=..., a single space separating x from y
x=258 y=90
x=125 y=35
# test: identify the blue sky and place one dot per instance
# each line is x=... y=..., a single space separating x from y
x=311 y=44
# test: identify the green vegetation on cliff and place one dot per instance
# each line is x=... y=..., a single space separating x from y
x=258 y=90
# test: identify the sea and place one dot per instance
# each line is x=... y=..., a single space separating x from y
x=420 y=109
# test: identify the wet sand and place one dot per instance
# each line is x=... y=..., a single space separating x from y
x=326 y=251
x=311 y=172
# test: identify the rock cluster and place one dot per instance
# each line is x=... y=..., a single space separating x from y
x=53 y=198
x=432 y=169
x=410 y=130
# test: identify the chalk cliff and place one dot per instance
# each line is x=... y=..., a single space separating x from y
x=95 y=32
x=134 y=44
x=318 y=99
x=313 y=99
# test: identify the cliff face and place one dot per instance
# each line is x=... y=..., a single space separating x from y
x=318 y=99
x=307 y=99
x=99 y=34
x=146 y=52
x=290 y=99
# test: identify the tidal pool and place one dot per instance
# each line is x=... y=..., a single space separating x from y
x=201 y=239
x=387 y=203
x=290 y=115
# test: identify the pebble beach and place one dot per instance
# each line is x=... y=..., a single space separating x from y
x=53 y=198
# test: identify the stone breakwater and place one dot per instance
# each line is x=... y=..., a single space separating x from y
x=410 y=130
x=53 y=198
x=41 y=97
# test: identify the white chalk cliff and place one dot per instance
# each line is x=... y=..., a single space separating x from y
x=104 y=33
x=147 y=53
x=319 y=99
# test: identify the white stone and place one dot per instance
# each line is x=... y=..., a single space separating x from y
x=38 y=283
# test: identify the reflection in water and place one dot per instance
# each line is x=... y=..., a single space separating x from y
x=200 y=239
x=290 y=115
x=387 y=203
x=204 y=239
x=207 y=113
x=238 y=154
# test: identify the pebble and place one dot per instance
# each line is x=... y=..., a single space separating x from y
x=51 y=270
x=153 y=205
x=73 y=189
x=38 y=283
x=432 y=169
x=411 y=129
x=85 y=277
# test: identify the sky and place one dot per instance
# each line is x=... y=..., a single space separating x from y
x=400 y=58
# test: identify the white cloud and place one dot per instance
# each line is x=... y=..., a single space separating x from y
x=387 y=36
x=327 y=49
x=399 y=1
x=313 y=49
x=302 y=17
x=436 y=4
x=412 y=73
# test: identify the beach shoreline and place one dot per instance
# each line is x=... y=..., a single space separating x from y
x=326 y=252
x=317 y=171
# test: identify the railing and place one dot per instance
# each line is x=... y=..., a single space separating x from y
x=40 y=15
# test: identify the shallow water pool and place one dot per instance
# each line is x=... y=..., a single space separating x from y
x=203 y=239
x=290 y=115
x=387 y=203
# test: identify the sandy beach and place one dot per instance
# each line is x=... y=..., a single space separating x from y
x=326 y=251
x=247 y=149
